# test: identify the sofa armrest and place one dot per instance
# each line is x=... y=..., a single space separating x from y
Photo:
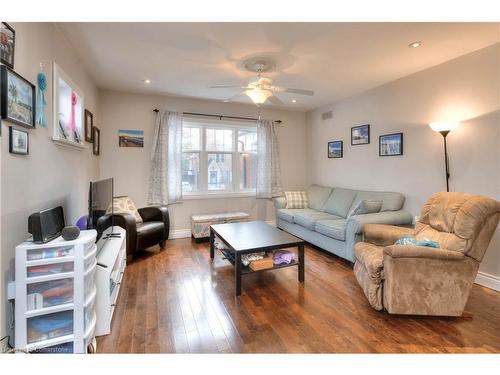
x=383 y=234
x=279 y=202
x=156 y=213
x=408 y=251
x=356 y=223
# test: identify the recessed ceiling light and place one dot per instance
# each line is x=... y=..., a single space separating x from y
x=294 y=100
x=415 y=44
x=147 y=81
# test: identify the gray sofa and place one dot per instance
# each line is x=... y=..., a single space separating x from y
x=327 y=224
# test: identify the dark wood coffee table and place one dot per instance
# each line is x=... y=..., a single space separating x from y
x=251 y=237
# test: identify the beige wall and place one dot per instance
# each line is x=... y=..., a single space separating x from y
x=130 y=166
x=464 y=89
x=50 y=175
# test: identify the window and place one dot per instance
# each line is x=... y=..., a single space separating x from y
x=219 y=158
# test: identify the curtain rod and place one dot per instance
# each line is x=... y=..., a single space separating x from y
x=220 y=117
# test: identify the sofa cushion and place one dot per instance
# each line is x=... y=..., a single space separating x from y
x=288 y=214
x=318 y=195
x=340 y=201
x=296 y=199
x=308 y=219
x=332 y=228
x=390 y=201
x=366 y=206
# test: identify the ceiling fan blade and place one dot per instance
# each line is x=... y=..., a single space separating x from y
x=275 y=100
x=292 y=91
x=234 y=96
x=227 y=87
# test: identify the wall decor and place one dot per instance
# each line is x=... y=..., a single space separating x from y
x=390 y=144
x=89 y=123
x=360 y=135
x=17 y=98
x=96 y=136
x=68 y=102
x=335 y=149
x=7 y=44
x=131 y=138
x=18 y=141
x=41 y=118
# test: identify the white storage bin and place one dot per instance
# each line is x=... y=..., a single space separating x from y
x=49 y=269
x=49 y=253
x=50 y=326
x=49 y=293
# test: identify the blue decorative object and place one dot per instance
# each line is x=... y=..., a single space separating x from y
x=41 y=119
x=412 y=241
x=82 y=222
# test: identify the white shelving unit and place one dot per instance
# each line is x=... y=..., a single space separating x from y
x=111 y=263
x=56 y=294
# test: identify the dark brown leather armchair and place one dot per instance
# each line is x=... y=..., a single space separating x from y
x=152 y=231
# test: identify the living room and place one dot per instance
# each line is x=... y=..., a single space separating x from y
x=254 y=187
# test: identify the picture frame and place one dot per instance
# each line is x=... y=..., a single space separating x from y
x=96 y=136
x=360 y=135
x=390 y=144
x=7 y=44
x=130 y=138
x=18 y=141
x=89 y=123
x=18 y=99
x=335 y=149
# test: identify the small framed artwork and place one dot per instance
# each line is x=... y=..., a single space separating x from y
x=18 y=141
x=131 y=138
x=89 y=123
x=335 y=149
x=7 y=44
x=360 y=135
x=17 y=98
x=96 y=136
x=390 y=144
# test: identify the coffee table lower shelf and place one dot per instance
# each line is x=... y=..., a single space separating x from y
x=228 y=255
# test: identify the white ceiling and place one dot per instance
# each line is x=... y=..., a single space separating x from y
x=336 y=60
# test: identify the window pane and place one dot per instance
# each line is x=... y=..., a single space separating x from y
x=219 y=139
x=220 y=174
x=190 y=138
x=248 y=171
x=247 y=140
x=190 y=166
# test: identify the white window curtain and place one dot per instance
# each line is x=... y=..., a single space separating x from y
x=165 y=178
x=268 y=163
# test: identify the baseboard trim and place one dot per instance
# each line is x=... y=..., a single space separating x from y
x=489 y=281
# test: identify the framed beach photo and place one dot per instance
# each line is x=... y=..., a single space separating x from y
x=96 y=136
x=130 y=138
x=390 y=144
x=18 y=141
x=17 y=98
x=335 y=149
x=7 y=44
x=89 y=123
x=360 y=135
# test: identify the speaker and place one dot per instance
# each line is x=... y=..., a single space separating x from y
x=70 y=233
x=46 y=225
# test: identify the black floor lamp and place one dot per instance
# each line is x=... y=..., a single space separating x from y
x=444 y=128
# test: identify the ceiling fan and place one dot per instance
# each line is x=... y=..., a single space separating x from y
x=260 y=89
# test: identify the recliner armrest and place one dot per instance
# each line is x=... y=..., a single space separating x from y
x=279 y=202
x=383 y=234
x=156 y=213
x=408 y=251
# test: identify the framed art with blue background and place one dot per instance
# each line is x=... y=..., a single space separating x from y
x=390 y=144
x=360 y=135
x=335 y=149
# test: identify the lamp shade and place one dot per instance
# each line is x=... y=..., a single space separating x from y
x=258 y=96
x=443 y=126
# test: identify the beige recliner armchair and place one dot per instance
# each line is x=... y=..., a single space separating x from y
x=423 y=280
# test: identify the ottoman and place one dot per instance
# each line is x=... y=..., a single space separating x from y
x=200 y=224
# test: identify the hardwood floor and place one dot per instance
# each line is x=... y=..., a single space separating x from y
x=177 y=301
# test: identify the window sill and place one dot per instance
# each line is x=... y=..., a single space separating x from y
x=189 y=196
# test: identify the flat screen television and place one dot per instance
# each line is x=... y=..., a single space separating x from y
x=101 y=207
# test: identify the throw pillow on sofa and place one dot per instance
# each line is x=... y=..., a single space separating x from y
x=366 y=207
x=296 y=199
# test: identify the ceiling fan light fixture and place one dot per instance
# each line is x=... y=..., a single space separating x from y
x=258 y=96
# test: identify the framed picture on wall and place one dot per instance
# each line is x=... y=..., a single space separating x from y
x=360 y=135
x=18 y=141
x=17 y=98
x=335 y=149
x=390 y=144
x=96 y=136
x=7 y=44
x=89 y=123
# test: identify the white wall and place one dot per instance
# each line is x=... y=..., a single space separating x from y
x=130 y=166
x=465 y=89
x=50 y=175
